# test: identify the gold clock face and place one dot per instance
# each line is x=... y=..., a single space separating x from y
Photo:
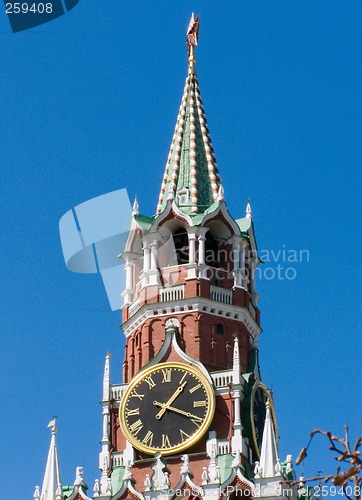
x=259 y=396
x=167 y=408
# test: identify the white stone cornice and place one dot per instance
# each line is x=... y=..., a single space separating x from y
x=194 y=304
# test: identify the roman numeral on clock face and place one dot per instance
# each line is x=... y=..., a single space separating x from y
x=196 y=420
x=129 y=413
x=148 y=438
x=150 y=382
x=165 y=441
x=136 y=395
x=193 y=389
x=136 y=427
x=166 y=375
x=199 y=404
x=183 y=435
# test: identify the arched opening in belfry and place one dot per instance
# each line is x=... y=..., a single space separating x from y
x=211 y=251
x=181 y=242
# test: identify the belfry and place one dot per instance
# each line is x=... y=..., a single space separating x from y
x=192 y=417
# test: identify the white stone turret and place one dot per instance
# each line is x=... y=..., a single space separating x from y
x=105 y=454
x=52 y=482
x=237 y=440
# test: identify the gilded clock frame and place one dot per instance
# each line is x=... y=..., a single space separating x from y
x=256 y=386
x=197 y=434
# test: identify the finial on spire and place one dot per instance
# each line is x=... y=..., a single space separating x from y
x=52 y=424
x=248 y=214
x=192 y=38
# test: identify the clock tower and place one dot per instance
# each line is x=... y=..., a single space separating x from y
x=192 y=417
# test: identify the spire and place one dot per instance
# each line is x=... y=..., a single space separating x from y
x=105 y=454
x=269 y=452
x=191 y=172
x=52 y=479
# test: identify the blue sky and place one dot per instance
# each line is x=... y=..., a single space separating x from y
x=88 y=106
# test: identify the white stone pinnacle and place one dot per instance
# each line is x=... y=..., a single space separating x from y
x=269 y=452
x=96 y=488
x=36 y=495
x=135 y=208
x=52 y=478
x=248 y=214
x=170 y=194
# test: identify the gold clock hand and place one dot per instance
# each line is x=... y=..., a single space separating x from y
x=170 y=401
x=186 y=413
x=177 y=410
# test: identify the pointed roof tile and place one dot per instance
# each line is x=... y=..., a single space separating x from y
x=191 y=172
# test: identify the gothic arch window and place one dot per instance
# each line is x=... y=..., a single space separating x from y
x=181 y=242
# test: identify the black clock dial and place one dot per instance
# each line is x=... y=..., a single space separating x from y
x=167 y=408
x=259 y=414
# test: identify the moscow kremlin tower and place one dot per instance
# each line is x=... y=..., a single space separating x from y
x=192 y=417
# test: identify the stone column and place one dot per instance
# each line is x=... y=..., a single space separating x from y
x=128 y=292
x=192 y=265
x=237 y=246
x=245 y=277
x=201 y=254
x=153 y=272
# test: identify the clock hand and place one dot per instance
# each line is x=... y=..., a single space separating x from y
x=164 y=406
x=177 y=410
